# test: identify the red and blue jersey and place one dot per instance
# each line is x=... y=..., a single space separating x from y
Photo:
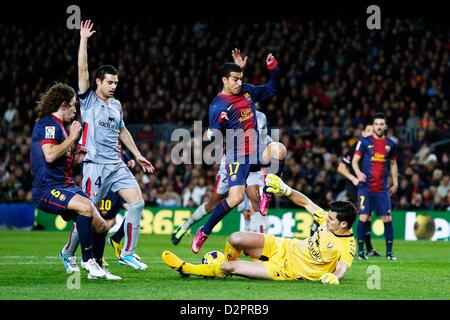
x=51 y=130
x=376 y=155
x=241 y=113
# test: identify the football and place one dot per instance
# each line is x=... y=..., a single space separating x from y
x=213 y=257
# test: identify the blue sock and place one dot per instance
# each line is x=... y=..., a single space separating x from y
x=367 y=237
x=361 y=233
x=388 y=236
x=98 y=246
x=84 y=228
x=220 y=211
x=120 y=233
x=276 y=166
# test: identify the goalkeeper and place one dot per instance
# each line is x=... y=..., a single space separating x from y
x=326 y=256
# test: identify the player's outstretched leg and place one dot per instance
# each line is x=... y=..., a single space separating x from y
x=197 y=215
x=132 y=228
x=185 y=268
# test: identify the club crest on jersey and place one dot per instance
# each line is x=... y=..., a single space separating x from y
x=248 y=96
x=330 y=245
x=62 y=197
x=49 y=132
x=233 y=177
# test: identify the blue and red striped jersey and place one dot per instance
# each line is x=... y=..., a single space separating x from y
x=375 y=161
x=241 y=113
x=49 y=129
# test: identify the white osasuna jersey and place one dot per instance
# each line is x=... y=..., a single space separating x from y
x=102 y=121
x=262 y=127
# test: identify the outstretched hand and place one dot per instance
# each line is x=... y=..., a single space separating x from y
x=276 y=185
x=145 y=164
x=241 y=62
x=86 y=29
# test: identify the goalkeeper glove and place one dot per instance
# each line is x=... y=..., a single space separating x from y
x=275 y=185
x=271 y=62
x=329 y=278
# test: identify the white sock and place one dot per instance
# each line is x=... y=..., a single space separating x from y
x=197 y=215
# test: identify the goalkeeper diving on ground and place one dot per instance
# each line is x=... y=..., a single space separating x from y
x=325 y=256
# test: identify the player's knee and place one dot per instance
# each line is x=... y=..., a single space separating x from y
x=234 y=200
x=236 y=239
x=278 y=150
x=363 y=217
x=137 y=206
x=87 y=209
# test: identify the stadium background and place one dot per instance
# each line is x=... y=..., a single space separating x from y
x=336 y=74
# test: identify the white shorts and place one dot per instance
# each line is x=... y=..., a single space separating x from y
x=99 y=179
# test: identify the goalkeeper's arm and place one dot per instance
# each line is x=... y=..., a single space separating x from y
x=276 y=185
x=336 y=276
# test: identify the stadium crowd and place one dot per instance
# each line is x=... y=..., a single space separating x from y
x=335 y=75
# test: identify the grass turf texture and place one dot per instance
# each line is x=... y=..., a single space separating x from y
x=31 y=269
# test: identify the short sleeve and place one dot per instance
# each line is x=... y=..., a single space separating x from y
x=47 y=134
x=87 y=99
x=360 y=147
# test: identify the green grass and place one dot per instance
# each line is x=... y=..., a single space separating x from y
x=30 y=269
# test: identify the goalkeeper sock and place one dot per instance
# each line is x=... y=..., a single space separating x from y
x=120 y=233
x=205 y=270
x=197 y=215
x=219 y=212
x=230 y=252
x=360 y=231
x=388 y=236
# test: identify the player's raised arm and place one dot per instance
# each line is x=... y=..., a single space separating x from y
x=83 y=74
x=267 y=90
x=276 y=185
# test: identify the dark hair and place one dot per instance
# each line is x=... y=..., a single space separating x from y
x=227 y=68
x=378 y=115
x=101 y=72
x=346 y=211
x=52 y=99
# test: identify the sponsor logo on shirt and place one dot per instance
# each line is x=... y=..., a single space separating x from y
x=245 y=115
x=110 y=124
x=378 y=157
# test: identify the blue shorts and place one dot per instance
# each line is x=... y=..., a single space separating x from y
x=110 y=206
x=237 y=173
x=56 y=199
x=368 y=201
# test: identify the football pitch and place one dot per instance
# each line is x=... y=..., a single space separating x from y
x=31 y=269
